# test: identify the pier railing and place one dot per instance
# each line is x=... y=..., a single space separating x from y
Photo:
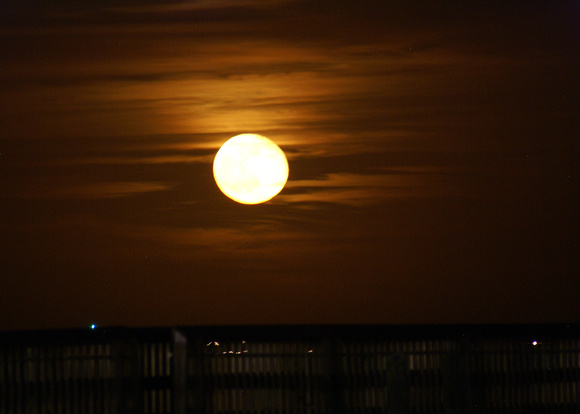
x=293 y=369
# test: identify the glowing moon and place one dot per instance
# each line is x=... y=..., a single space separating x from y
x=250 y=169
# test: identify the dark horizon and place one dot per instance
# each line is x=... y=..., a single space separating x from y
x=520 y=332
x=432 y=151
x=325 y=369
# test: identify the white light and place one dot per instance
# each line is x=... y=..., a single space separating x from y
x=93 y=326
x=534 y=343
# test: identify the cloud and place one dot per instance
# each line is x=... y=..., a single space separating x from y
x=136 y=160
x=112 y=189
x=364 y=189
x=102 y=190
x=277 y=70
x=192 y=5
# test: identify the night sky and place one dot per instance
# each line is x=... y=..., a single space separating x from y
x=433 y=150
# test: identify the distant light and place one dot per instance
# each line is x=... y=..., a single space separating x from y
x=93 y=326
x=534 y=343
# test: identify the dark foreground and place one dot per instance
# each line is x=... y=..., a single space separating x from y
x=293 y=369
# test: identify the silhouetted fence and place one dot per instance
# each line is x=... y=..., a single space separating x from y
x=293 y=369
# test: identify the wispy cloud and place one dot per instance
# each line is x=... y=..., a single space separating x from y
x=113 y=189
x=188 y=5
x=365 y=189
x=102 y=190
x=137 y=160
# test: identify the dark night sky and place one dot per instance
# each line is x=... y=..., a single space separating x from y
x=433 y=151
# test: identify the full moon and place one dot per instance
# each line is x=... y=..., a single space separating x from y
x=250 y=169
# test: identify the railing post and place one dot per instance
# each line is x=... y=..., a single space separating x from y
x=179 y=351
x=196 y=385
x=397 y=384
x=457 y=387
x=334 y=376
x=128 y=374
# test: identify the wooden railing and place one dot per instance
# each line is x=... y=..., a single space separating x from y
x=293 y=369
